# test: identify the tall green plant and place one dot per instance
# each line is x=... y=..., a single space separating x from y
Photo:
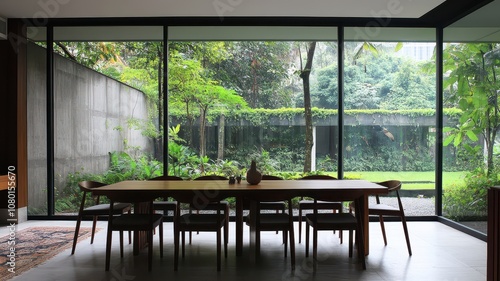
x=473 y=82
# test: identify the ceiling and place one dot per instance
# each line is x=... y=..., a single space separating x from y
x=161 y=8
x=480 y=25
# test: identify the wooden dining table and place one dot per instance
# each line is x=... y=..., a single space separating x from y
x=332 y=190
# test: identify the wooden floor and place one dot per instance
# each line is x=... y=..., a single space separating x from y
x=440 y=253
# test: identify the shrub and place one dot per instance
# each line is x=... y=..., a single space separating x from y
x=468 y=201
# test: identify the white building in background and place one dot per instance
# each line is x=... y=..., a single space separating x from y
x=417 y=50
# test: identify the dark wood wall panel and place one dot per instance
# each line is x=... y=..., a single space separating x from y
x=493 y=260
x=13 y=115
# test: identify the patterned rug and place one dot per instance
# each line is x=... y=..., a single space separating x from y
x=34 y=246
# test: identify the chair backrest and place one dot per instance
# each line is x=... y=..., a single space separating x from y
x=211 y=177
x=166 y=178
x=87 y=187
x=392 y=185
x=269 y=177
x=143 y=204
x=318 y=177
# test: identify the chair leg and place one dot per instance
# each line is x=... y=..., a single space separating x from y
x=176 y=249
x=77 y=230
x=121 y=244
x=218 y=249
x=341 y=235
x=292 y=246
x=277 y=212
x=94 y=223
x=285 y=234
x=300 y=224
x=226 y=225
x=307 y=240
x=129 y=232
x=108 y=249
x=257 y=238
x=315 y=249
x=161 y=239
x=405 y=228
x=226 y=238
x=381 y=219
x=350 y=243
x=183 y=237
x=150 y=250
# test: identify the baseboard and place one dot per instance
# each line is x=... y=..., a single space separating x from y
x=21 y=216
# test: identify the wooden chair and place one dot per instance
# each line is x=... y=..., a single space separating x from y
x=213 y=205
x=200 y=221
x=278 y=206
x=381 y=210
x=307 y=204
x=145 y=221
x=335 y=221
x=274 y=222
x=166 y=206
x=96 y=210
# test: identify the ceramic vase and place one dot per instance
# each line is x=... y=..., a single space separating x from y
x=253 y=175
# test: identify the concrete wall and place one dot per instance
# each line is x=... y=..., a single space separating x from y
x=91 y=119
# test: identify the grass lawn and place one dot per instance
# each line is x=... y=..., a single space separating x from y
x=415 y=180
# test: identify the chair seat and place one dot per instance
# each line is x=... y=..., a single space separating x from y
x=375 y=208
x=273 y=221
x=202 y=222
x=325 y=221
x=103 y=209
x=165 y=205
x=278 y=205
x=321 y=205
x=136 y=221
x=223 y=205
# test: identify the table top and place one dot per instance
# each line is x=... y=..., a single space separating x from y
x=291 y=187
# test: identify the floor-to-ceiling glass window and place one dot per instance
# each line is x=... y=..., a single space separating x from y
x=390 y=111
x=107 y=101
x=238 y=94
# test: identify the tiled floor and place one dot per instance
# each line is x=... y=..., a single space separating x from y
x=440 y=253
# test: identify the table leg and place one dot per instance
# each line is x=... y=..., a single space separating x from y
x=239 y=226
x=366 y=221
x=254 y=235
x=140 y=240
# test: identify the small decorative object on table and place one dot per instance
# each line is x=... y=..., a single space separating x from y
x=253 y=175
x=238 y=179
x=232 y=180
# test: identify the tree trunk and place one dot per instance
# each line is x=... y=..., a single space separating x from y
x=189 y=127
x=161 y=94
x=305 y=73
x=221 y=137
x=202 y=132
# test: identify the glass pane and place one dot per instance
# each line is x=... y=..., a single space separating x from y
x=234 y=101
x=108 y=95
x=37 y=122
x=470 y=138
x=390 y=100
